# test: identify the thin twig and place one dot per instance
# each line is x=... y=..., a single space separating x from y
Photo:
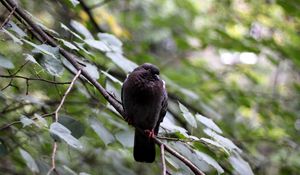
x=20 y=68
x=53 y=158
x=53 y=167
x=180 y=157
x=34 y=79
x=18 y=121
x=65 y=95
x=8 y=17
x=163 y=162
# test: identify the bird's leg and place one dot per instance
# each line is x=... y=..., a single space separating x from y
x=150 y=133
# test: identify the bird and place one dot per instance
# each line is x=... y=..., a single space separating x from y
x=144 y=100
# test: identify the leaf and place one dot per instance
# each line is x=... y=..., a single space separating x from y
x=214 y=144
x=30 y=58
x=3 y=148
x=26 y=121
x=68 y=44
x=113 y=42
x=111 y=88
x=185 y=150
x=189 y=118
x=209 y=111
x=240 y=166
x=171 y=162
x=41 y=122
x=208 y=123
x=182 y=90
x=17 y=29
x=49 y=59
x=169 y=125
x=74 y=2
x=13 y=37
x=76 y=127
x=112 y=78
x=84 y=173
x=69 y=170
x=81 y=47
x=6 y=63
x=67 y=29
x=81 y=29
x=126 y=138
x=97 y=45
x=29 y=161
x=65 y=134
x=92 y=70
x=209 y=160
x=222 y=140
x=125 y=64
x=101 y=131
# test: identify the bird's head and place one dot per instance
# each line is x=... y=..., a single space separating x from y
x=150 y=67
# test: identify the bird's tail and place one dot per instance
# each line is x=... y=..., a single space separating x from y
x=144 y=148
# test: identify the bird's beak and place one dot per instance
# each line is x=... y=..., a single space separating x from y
x=157 y=76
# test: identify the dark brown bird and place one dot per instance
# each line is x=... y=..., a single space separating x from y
x=144 y=99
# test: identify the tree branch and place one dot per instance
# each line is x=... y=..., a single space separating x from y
x=33 y=79
x=72 y=59
x=55 y=145
x=90 y=14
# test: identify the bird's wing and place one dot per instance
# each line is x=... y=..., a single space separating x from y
x=163 y=111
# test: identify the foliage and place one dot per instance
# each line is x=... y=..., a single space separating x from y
x=231 y=70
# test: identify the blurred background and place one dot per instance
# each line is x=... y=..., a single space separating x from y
x=233 y=61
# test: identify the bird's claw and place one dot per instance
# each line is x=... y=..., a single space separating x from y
x=150 y=133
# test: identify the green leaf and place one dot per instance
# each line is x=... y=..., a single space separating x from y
x=74 y=2
x=17 y=29
x=186 y=151
x=49 y=59
x=73 y=33
x=101 y=131
x=126 y=138
x=225 y=142
x=26 y=121
x=76 y=127
x=112 y=78
x=6 y=63
x=30 y=58
x=84 y=173
x=81 y=29
x=208 y=123
x=3 y=148
x=209 y=160
x=41 y=122
x=92 y=70
x=97 y=45
x=125 y=64
x=29 y=161
x=68 y=44
x=65 y=134
x=69 y=170
x=240 y=165
x=171 y=127
x=110 y=87
x=189 y=118
x=110 y=40
x=214 y=145
x=13 y=37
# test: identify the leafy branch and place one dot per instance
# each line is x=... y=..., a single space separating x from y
x=44 y=37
